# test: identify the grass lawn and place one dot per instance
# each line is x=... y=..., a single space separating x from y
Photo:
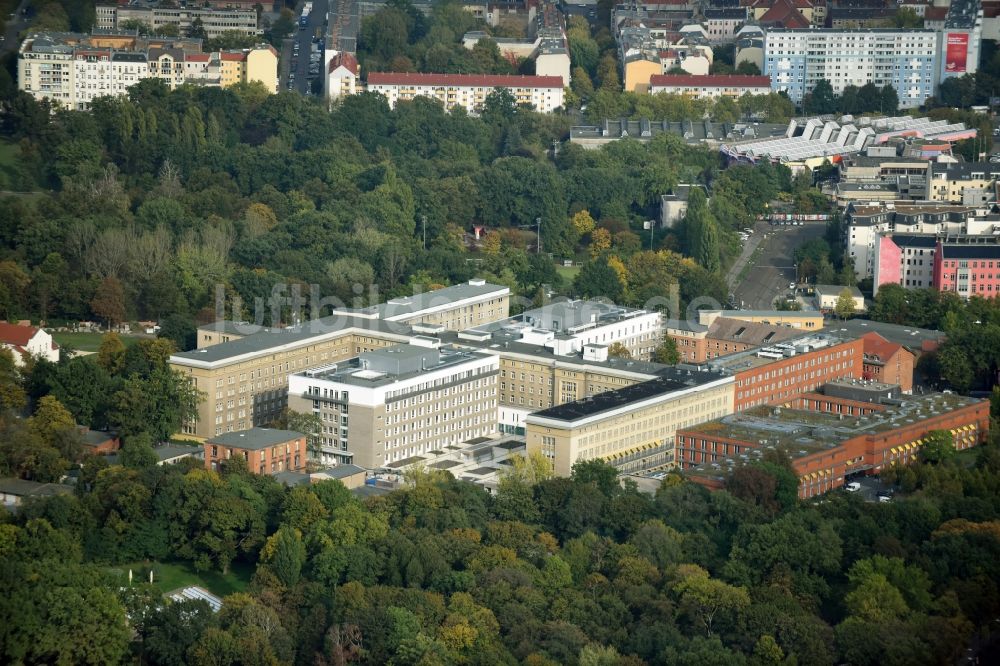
x=87 y=342
x=567 y=273
x=169 y=576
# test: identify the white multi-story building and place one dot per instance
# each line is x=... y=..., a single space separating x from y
x=394 y=404
x=469 y=91
x=214 y=22
x=907 y=60
x=569 y=327
x=871 y=232
x=341 y=75
x=72 y=70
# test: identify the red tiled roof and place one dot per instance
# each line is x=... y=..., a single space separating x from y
x=710 y=81
x=785 y=13
x=477 y=80
x=935 y=13
x=13 y=334
x=876 y=345
x=234 y=57
x=197 y=57
x=345 y=59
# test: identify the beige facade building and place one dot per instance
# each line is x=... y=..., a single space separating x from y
x=71 y=70
x=215 y=22
x=243 y=369
x=395 y=404
x=631 y=428
x=966 y=183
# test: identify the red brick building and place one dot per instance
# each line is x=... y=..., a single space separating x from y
x=783 y=371
x=829 y=438
x=98 y=442
x=887 y=362
x=266 y=451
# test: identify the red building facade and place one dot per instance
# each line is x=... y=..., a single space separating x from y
x=824 y=468
x=968 y=269
x=786 y=378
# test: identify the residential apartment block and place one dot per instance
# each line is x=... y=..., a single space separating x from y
x=391 y=404
x=710 y=86
x=871 y=230
x=72 y=70
x=215 y=22
x=266 y=451
x=469 y=91
x=341 y=76
x=631 y=428
x=968 y=269
x=722 y=23
x=830 y=437
x=243 y=369
x=907 y=60
x=966 y=183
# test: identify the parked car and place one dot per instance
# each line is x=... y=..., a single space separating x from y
x=853 y=487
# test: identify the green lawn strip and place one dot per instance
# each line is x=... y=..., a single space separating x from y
x=170 y=576
x=87 y=342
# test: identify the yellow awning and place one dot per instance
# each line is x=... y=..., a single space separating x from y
x=953 y=431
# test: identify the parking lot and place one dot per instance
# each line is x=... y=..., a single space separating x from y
x=871 y=486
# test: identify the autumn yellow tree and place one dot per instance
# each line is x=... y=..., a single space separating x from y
x=582 y=223
x=600 y=241
x=492 y=243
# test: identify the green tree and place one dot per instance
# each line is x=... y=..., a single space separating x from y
x=821 y=100
x=597 y=278
x=955 y=366
x=157 y=406
x=618 y=350
x=137 y=452
x=284 y=554
x=938 y=447
x=109 y=301
x=844 y=307
x=706 y=599
x=172 y=630
x=908 y=18
x=111 y=353
x=666 y=352
x=50 y=420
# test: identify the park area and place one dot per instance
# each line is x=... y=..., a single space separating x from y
x=170 y=576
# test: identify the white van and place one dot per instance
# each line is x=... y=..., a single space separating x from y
x=853 y=487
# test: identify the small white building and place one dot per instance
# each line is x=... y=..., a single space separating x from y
x=673 y=206
x=827 y=296
x=25 y=341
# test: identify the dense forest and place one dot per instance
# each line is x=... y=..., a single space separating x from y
x=574 y=570
x=139 y=209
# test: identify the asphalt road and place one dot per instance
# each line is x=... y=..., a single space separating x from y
x=772 y=267
x=298 y=63
x=14 y=28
